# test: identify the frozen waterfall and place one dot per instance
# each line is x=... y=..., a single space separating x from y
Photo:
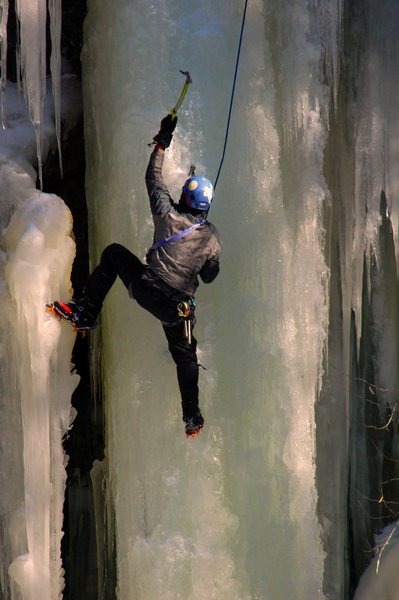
x=232 y=514
x=36 y=258
x=281 y=495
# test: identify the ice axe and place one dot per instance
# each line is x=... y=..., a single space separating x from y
x=173 y=111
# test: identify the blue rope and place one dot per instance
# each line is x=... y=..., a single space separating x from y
x=232 y=94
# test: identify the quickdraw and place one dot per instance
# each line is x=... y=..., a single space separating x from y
x=185 y=310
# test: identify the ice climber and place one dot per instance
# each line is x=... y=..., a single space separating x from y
x=186 y=245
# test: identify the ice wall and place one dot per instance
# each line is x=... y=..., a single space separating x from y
x=35 y=399
x=36 y=257
x=233 y=513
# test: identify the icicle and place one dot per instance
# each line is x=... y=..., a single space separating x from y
x=55 y=66
x=18 y=57
x=32 y=16
x=3 y=51
x=31 y=63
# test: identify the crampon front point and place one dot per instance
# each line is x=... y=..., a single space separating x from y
x=193 y=434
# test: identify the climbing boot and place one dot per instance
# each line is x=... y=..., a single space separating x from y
x=76 y=312
x=194 y=424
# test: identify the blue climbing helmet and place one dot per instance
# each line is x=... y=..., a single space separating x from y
x=198 y=193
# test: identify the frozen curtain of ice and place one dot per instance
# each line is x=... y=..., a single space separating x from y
x=36 y=257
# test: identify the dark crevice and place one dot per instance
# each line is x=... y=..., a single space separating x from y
x=85 y=441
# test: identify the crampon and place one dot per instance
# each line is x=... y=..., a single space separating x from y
x=193 y=425
x=70 y=312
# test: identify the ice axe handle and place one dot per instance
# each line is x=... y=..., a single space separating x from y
x=173 y=111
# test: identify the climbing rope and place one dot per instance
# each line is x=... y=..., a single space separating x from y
x=232 y=93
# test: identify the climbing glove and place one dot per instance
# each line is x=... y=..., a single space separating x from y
x=165 y=134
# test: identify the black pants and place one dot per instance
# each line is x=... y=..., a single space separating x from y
x=116 y=260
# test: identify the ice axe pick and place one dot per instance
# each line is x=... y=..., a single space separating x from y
x=173 y=111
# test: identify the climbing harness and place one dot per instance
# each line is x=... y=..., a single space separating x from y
x=156 y=282
x=173 y=111
x=232 y=94
x=176 y=236
x=185 y=310
x=185 y=307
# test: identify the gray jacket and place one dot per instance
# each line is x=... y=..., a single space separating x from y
x=180 y=262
